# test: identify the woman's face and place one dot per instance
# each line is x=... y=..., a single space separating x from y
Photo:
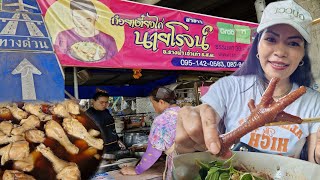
x=157 y=106
x=280 y=49
x=101 y=103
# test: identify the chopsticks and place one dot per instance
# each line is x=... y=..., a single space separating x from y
x=316 y=21
x=110 y=124
x=110 y=143
x=305 y=120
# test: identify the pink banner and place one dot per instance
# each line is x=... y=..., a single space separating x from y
x=124 y=34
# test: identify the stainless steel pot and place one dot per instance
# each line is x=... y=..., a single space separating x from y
x=127 y=140
x=138 y=154
x=109 y=156
x=135 y=138
x=277 y=167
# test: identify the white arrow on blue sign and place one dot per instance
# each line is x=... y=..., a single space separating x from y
x=30 y=77
x=30 y=6
x=27 y=70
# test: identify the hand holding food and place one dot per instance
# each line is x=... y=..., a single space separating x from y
x=198 y=126
x=265 y=112
x=197 y=129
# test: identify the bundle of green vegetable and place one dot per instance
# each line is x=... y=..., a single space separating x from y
x=224 y=170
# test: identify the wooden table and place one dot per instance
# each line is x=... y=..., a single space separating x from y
x=154 y=173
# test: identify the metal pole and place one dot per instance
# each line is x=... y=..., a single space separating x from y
x=75 y=83
x=313 y=7
x=259 y=5
x=196 y=93
x=148 y=1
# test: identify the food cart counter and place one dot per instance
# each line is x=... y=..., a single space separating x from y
x=155 y=172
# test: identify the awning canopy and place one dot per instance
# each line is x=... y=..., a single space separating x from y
x=118 y=82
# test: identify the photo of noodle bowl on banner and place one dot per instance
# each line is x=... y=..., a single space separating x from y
x=87 y=51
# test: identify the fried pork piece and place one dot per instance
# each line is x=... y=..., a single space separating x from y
x=6 y=127
x=14 y=151
x=5 y=113
x=16 y=175
x=66 y=108
x=60 y=110
x=27 y=164
x=35 y=109
x=35 y=136
x=26 y=124
x=94 y=133
x=76 y=129
x=55 y=131
x=65 y=170
x=17 y=112
x=72 y=107
x=5 y=139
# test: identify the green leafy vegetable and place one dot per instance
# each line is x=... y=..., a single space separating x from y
x=224 y=176
x=222 y=170
x=203 y=173
x=246 y=176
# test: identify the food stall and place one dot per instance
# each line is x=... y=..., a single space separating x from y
x=140 y=37
x=160 y=44
x=42 y=136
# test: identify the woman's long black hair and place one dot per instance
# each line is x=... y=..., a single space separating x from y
x=301 y=76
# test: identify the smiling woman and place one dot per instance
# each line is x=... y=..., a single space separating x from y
x=279 y=50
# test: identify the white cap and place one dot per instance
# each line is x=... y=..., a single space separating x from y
x=287 y=12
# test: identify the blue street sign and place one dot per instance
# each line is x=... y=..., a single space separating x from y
x=30 y=77
x=30 y=6
x=23 y=31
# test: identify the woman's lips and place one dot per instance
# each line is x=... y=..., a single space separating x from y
x=278 y=65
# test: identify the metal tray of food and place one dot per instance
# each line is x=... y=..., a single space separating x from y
x=48 y=141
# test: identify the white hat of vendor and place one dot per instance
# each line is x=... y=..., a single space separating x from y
x=287 y=12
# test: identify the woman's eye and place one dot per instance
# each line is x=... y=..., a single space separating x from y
x=270 y=39
x=294 y=44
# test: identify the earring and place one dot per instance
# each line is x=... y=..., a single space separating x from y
x=257 y=56
x=301 y=63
